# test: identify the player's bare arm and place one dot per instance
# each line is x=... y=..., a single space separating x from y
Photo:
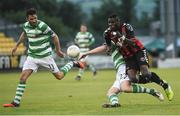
x=57 y=46
x=100 y=49
x=21 y=39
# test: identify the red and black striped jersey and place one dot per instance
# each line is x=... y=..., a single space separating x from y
x=127 y=49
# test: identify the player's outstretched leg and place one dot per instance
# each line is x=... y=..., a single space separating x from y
x=153 y=77
x=153 y=92
x=169 y=93
x=66 y=68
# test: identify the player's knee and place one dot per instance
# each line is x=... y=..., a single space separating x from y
x=144 y=70
x=132 y=77
x=126 y=87
x=126 y=90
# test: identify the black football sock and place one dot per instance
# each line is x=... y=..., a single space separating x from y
x=155 y=78
x=143 y=79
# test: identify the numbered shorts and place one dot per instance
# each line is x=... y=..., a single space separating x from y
x=121 y=76
x=35 y=63
x=134 y=62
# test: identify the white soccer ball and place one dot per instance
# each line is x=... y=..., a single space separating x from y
x=73 y=51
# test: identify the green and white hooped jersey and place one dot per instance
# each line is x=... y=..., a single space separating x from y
x=39 y=39
x=116 y=56
x=84 y=40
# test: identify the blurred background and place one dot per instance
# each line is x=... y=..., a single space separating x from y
x=156 y=24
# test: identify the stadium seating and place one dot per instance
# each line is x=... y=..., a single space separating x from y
x=7 y=44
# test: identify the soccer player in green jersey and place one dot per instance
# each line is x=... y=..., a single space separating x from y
x=39 y=35
x=84 y=40
x=122 y=82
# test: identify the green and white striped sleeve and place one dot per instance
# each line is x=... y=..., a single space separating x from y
x=46 y=29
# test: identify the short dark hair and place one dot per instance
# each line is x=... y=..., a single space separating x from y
x=31 y=11
x=114 y=16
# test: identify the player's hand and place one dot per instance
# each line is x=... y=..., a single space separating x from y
x=82 y=55
x=13 y=51
x=60 y=53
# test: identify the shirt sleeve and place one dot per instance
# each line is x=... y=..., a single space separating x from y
x=129 y=31
x=107 y=40
x=47 y=30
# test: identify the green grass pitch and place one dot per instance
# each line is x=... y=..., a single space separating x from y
x=44 y=95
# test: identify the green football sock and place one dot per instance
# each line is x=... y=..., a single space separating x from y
x=140 y=89
x=113 y=99
x=19 y=92
x=65 y=69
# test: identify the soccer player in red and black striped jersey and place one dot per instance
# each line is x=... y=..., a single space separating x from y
x=134 y=53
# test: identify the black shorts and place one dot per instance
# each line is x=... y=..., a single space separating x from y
x=134 y=62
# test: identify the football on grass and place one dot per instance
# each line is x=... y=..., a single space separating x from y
x=73 y=51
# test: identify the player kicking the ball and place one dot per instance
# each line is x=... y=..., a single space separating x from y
x=39 y=35
x=122 y=82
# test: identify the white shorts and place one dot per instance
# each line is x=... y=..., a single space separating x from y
x=120 y=76
x=34 y=63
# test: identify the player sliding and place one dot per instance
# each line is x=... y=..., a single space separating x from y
x=134 y=53
x=39 y=35
x=122 y=82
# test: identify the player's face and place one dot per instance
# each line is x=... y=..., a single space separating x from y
x=83 y=28
x=113 y=24
x=32 y=19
